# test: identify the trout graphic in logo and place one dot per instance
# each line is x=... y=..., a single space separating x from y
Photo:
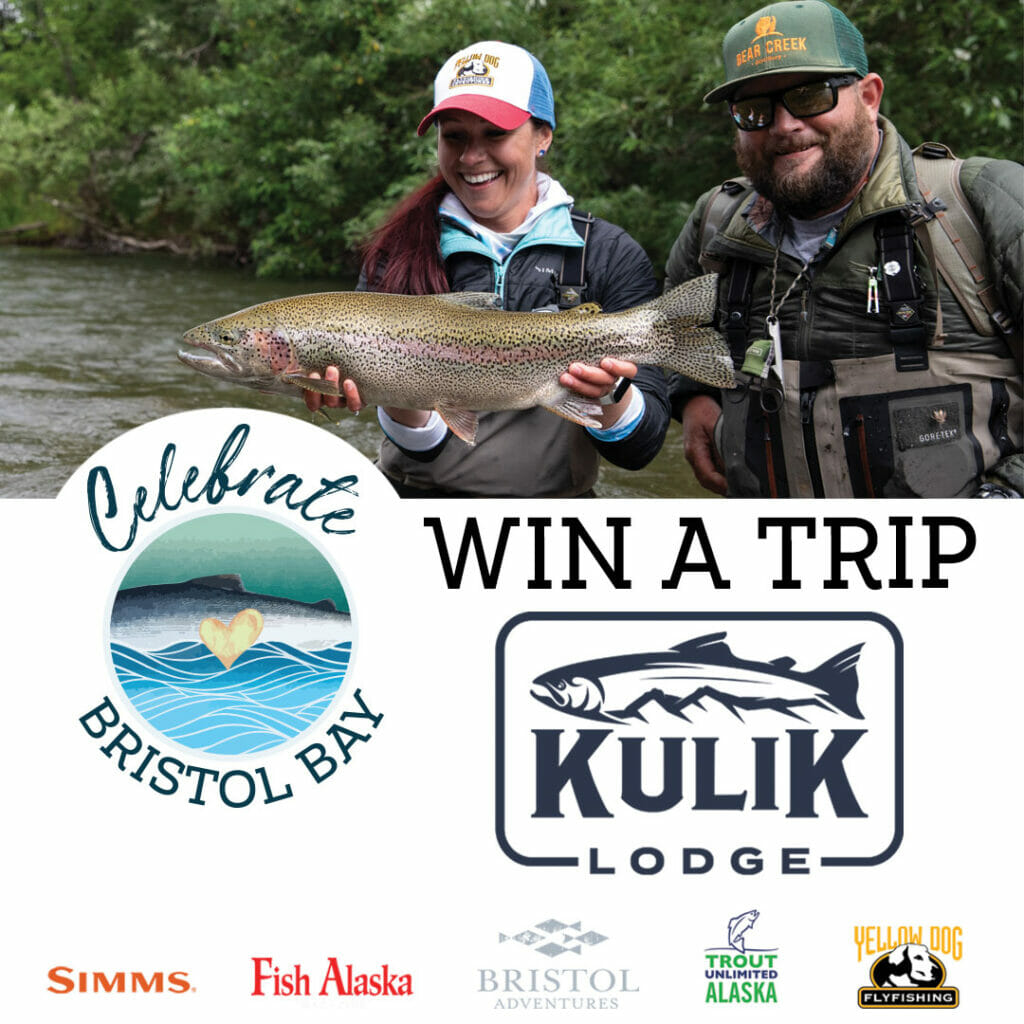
x=738 y=972
x=628 y=687
x=619 y=733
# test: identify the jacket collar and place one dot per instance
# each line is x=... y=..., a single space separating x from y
x=891 y=186
x=551 y=225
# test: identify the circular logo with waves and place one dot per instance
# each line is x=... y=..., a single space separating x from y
x=231 y=634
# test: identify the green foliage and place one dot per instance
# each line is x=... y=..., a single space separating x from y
x=280 y=131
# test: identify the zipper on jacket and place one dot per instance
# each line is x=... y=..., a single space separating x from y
x=807 y=397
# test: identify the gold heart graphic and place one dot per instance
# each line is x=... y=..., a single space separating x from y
x=229 y=643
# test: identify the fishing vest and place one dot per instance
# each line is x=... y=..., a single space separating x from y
x=915 y=395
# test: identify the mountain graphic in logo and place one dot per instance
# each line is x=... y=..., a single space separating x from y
x=687 y=679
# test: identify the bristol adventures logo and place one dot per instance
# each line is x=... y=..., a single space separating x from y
x=672 y=726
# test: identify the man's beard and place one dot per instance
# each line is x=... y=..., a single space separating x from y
x=845 y=156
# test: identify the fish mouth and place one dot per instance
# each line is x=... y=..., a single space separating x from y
x=548 y=691
x=213 y=361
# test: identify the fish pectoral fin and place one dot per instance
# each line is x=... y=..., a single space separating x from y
x=585 y=309
x=576 y=408
x=474 y=300
x=321 y=387
x=461 y=422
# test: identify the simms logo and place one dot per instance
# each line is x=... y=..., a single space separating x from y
x=66 y=979
x=760 y=741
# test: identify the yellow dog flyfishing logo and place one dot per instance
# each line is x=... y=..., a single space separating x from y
x=769 y=45
x=475 y=69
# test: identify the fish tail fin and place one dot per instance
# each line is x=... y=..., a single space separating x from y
x=695 y=348
x=838 y=678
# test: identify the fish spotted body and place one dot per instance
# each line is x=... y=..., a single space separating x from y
x=456 y=353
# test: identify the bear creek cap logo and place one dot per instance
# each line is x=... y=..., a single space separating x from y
x=618 y=733
x=769 y=44
x=905 y=970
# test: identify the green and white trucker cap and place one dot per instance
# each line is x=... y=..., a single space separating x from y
x=791 y=37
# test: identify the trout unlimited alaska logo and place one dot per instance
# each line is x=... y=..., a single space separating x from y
x=690 y=742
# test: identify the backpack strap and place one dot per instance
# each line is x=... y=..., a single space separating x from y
x=572 y=276
x=959 y=248
x=717 y=213
x=894 y=236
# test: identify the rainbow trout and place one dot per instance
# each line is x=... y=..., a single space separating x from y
x=456 y=353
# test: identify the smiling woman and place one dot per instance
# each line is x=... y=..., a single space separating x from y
x=492 y=221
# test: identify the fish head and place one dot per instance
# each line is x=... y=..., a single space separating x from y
x=574 y=694
x=244 y=350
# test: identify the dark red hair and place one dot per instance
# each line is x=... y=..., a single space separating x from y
x=403 y=255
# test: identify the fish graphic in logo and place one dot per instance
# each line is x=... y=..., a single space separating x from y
x=573 y=938
x=216 y=666
x=738 y=928
x=739 y=973
x=626 y=688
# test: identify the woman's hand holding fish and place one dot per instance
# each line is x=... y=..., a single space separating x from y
x=350 y=398
x=598 y=381
x=589 y=381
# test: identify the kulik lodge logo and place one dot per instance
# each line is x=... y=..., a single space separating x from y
x=691 y=742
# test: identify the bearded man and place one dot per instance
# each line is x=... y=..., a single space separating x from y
x=865 y=368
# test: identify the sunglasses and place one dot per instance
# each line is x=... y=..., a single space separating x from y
x=752 y=113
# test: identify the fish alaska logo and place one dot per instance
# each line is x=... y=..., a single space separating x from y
x=218 y=670
x=741 y=972
x=684 y=725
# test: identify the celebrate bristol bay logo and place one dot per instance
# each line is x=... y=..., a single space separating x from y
x=690 y=742
x=229 y=628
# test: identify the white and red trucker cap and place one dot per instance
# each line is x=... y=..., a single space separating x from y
x=501 y=83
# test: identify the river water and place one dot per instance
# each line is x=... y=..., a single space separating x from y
x=87 y=351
